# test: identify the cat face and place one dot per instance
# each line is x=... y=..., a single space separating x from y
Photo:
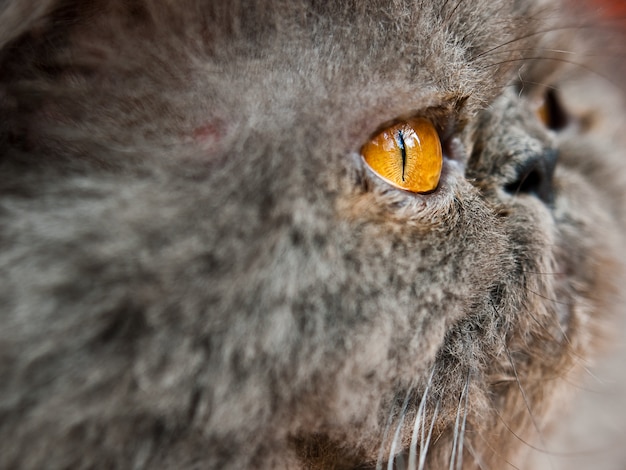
x=203 y=270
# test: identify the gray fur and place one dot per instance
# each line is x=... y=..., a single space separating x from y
x=199 y=272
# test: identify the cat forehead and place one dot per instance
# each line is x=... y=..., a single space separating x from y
x=209 y=70
x=390 y=57
x=387 y=50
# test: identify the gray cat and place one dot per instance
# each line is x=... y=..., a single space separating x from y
x=204 y=264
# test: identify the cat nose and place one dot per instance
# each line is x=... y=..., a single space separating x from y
x=535 y=176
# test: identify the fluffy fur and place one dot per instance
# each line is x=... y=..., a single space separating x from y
x=199 y=272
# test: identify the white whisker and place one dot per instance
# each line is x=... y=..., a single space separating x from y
x=477 y=460
x=419 y=423
x=381 y=452
x=426 y=445
x=459 y=464
x=457 y=423
x=528 y=407
x=396 y=437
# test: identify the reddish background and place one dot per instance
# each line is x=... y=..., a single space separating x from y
x=615 y=8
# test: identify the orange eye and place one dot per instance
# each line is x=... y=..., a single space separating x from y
x=551 y=113
x=407 y=155
x=543 y=113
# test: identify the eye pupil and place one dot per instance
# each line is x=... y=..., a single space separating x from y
x=403 y=151
x=552 y=113
x=406 y=155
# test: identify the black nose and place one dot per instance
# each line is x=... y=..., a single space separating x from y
x=534 y=177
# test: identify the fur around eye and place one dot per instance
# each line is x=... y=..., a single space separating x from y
x=406 y=155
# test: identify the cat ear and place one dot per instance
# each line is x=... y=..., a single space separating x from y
x=19 y=16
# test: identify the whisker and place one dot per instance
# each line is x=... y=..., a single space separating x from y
x=609 y=53
x=449 y=17
x=426 y=445
x=537 y=33
x=396 y=437
x=563 y=375
x=495 y=452
x=591 y=374
x=542 y=49
x=381 y=452
x=419 y=421
x=423 y=449
x=539 y=273
x=527 y=402
x=457 y=425
x=560 y=302
x=598 y=450
x=478 y=461
x=400 y=463
x=554 y=59
x=580 y=386
x=541 y=325
x=459 y=465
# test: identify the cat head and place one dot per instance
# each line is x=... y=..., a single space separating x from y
x=202 y=268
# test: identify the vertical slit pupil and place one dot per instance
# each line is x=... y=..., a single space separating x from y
x=400 y=140
x=557 y=116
